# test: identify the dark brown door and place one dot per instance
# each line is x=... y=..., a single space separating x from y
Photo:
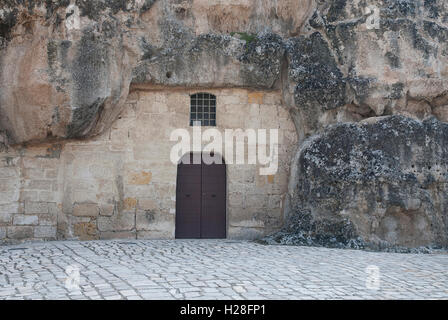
x=201 y=201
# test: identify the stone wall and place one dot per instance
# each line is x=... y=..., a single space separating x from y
x=29 y=193
x=122 y=184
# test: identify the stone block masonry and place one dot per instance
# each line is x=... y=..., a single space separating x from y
x=28 y=201
x=122 y=184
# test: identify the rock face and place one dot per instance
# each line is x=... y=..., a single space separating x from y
x=381 y=182
x=345 y=68
x=67 y=67
x=63 y=75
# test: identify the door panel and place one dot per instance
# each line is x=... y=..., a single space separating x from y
x=188 y=201
x=213 y=213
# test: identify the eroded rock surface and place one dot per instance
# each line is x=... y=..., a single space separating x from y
x=371 y=185
x=380 y=182
x=67 y=67
x=358 y=59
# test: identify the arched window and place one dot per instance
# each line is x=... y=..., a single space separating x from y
x=203 y=109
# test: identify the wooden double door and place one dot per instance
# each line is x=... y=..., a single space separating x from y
x=201 y=200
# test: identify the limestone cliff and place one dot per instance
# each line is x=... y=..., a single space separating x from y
x=67 y=67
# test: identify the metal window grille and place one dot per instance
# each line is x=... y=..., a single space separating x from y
x=203 y=109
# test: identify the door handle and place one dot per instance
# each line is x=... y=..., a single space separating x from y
x=187 y=195
x=213 y=195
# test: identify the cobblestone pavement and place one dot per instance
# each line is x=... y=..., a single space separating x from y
x=212 y=269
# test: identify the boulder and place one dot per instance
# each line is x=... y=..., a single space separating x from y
x=378 y=183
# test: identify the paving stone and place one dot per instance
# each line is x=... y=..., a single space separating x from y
x=213 y=269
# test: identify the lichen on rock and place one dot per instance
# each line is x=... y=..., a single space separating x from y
x=385 y=180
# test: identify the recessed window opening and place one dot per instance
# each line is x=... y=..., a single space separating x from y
x=203 y=109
